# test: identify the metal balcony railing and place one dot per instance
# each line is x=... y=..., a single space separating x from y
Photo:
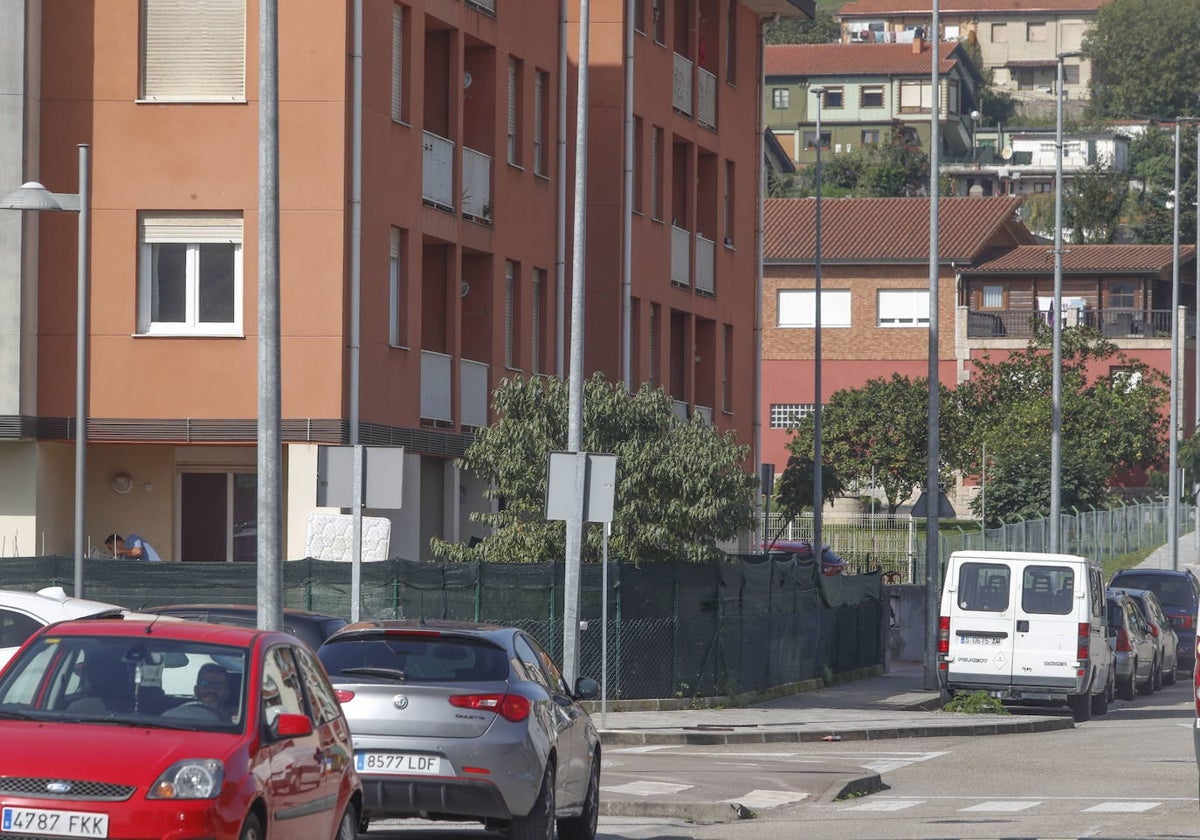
x=436 y=403
x=706 y=98
x=477 y=185
x=706 y=251
x=473 y=393
x=437 y=171
x=1112 y=323
x=681 y=260
x=681 y=86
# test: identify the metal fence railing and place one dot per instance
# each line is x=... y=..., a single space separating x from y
x=895 y=544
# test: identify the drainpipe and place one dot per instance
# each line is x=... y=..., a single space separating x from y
x=627 y=212
x=560 y=247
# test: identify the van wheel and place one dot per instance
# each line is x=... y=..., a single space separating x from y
x=1081 y=707
x=1100 y=702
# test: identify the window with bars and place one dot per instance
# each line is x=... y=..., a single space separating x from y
x=789 y=415
x=514 y=111
x=397 y=290
x=541 y=141
x=399 y=100
x=193 y=52
x=190 y=274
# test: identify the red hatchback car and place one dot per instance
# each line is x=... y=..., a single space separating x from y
x=172 y=729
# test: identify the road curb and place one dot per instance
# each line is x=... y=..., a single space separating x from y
x=696 y=812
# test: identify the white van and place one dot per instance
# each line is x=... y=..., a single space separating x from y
x=1027 y=629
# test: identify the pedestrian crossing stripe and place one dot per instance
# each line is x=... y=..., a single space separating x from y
x=1009 y=806
x=646 y=788
x=1004 y=806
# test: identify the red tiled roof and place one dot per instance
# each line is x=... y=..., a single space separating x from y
x=853 y=59
x=1081 y=259
x=887 y=229
x=875 y=8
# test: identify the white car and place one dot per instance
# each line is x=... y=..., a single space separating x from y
x=23 y=613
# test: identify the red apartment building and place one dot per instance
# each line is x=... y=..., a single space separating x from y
x=460 y=254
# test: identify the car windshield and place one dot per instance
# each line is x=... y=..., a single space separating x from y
x=124 y=680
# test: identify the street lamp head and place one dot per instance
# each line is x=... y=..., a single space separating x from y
x=1069 y=54
x=817 y=91
x=975 y=115
x=30 y=196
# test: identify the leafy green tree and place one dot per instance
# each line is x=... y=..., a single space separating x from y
x=1145 y=58
x=1152 y=164
x=681 y=485
x=1093 y=208
x=892 y=168
x=822 y=29
x=1112 y=422
x=795 y=487
x=876 y=433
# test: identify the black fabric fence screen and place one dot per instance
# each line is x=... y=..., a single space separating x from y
x=674 y=630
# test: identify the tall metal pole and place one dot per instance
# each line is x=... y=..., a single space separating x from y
x=1056 y=326
x=270 y=556
x=933 y=496
x=1173 y=433
x=818 y=490
x=575 y=379
x=83 y=276
x=1196 y=341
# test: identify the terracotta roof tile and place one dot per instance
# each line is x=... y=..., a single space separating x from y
x=888 y=229
x=853 y=59
x=875 y=8
x=1081 y=259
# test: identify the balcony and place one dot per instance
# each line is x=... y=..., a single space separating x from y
x=477 y=186
x=437 y=172
x=473 y=393
x=681 y=258
x=706 y=251
x=1111 y=323
x=436 y=404
x=706 y=101
x=681 y=86
x=680 y=409
x=704 y=412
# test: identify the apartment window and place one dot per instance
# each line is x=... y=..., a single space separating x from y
x=789 y=415
x=952 y=96
x=810 y=139
x=639 y=16
x=730 y=205
x=835 y=97
x=999 y=33
x=727 y=370
x=993 y=297
x=870 y=136
x=656 y=174
x=193 y=52
x=399 y=100
x=536 y=329
x=731 y=33
x=1070 y=74
x=950 y=32
x=797 y=308
x=780 y=98
x=1120 y=294
x=639 y=175
x=511 y=316
x=903 y=307
x=1035 y=31
x=397 y=290
x=541 y=140
x=660 y=21
x=916 y=97
x=514 y=112
x=871 y=97
x=190 y=274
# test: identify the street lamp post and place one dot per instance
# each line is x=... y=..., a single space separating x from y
x=975 y=115
x=33 y=196
x=1173 y=391
x=818 y=491
x=1056 y=323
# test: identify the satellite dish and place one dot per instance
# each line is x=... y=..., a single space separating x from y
x=467 y=79
x=464 y=289
x=1006 y=153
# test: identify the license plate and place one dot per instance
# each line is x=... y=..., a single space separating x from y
x=980 y=640
x=58 y=823
x=400 y=764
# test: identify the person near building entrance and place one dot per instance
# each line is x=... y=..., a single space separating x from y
x=133 y=546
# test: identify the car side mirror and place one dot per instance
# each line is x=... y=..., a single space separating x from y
x=586 y=688
x=291 y=726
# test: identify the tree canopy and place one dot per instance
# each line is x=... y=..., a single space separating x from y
x=1152 y=164
x=891 y=168
x=681 y=488
x=822 y=29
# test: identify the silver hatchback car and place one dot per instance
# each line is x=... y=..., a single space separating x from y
x=462 y=721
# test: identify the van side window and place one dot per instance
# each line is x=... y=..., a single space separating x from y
x=1049 y=590
x=983 y=586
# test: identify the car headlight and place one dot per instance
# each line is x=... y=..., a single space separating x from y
x=191 y=778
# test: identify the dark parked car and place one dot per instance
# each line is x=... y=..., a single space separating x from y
x=309 y=627
x=1165 y=639
x=1133 y=643
x=461 y=721
x=1179 y=594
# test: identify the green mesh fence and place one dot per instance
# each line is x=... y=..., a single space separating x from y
x=674 y=630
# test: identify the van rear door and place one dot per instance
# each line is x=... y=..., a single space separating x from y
x=981 y=623
x=1047 y=625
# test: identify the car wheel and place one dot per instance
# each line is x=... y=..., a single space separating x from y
x=1127 y=688
x=1147 y=687
x=1100 y=702
x=538 y=824
x=252 y=828
x=348 y=826
x=1081 y=707
x=1170 y=677
x=583 y=827
x=1158 y=676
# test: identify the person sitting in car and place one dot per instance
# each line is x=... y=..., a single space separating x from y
x=212 y=697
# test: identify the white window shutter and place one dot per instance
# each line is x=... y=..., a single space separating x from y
x=539 y=104
x=512 y=110
x=193 y=50
x=199 y=228
x=397 y=63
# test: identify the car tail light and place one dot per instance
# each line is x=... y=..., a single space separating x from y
x=943 y=642
x=1123 y=645
x=1184 y=621
x=342 y=695
x=1154 y=630
x=511 y=707
x=1085 y=640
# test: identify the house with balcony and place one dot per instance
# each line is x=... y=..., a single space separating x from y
x=423 y=248
x=1019 y=40
x=995 y=286
x=872 y=92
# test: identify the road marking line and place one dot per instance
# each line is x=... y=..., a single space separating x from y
x=768 y=798
x=646 y=788
x=1123 y=807
x=885 y=805
x=1006 y=805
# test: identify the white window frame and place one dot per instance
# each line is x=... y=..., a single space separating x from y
x=796 y=308
x=397 y=290
x=789 y=415
x=903 y=307
x=192 y=52
x=191 y=229
x=780 y=99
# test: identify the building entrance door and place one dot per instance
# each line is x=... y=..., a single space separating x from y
x=218 y=512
